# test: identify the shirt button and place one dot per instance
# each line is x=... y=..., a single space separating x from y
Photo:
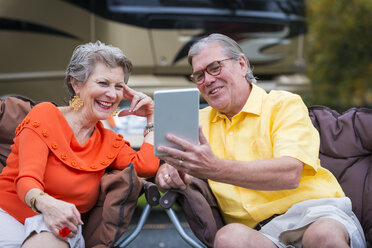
x=54 y=145
x=73 y=163
x=248 y=205
x=63 y=156
x=231 y=133
x=36 y=124
x=45 y=133
x=110 y=156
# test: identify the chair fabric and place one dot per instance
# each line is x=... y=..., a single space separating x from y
x=201 y=210
x=346 y=150
x=111 y=216
x=12 y=111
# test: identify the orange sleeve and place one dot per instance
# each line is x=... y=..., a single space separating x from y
x=33 y=155
x=144 y=160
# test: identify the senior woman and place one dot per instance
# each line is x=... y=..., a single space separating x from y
x=60 y=153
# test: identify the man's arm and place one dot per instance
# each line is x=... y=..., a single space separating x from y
x=199 y=161
x=268 y=174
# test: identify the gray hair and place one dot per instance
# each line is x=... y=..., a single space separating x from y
x=231 y=49
x=86 y=56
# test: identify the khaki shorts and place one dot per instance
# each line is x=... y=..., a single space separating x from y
x=287 y=229
x=14 y=233
x=37 y=224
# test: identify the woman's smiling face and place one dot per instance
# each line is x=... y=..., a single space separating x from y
x=102 y=92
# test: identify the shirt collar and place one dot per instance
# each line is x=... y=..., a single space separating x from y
x=252 y=106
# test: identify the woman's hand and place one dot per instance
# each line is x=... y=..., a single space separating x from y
x=59 y=214
x=168 y=177
x=141 y=104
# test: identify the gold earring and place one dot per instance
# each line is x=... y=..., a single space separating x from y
x=76 y=103
x=117 y=110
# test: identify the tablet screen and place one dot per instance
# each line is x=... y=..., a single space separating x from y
x=176 y=112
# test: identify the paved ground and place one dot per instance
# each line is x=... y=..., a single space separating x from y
x=159 y=232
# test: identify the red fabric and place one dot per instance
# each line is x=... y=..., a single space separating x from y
x=46 y=155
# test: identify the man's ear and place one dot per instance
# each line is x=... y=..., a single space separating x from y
x=243 y=65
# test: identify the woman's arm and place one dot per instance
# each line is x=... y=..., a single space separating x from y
x=33 y=156
x=141 y=105
x=145 y=162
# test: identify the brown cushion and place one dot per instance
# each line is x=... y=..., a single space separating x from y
x=201 y=210
x=12 y=111
x=346 y=150
x=111 y=216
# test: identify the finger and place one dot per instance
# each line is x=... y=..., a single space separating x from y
x=72 y=234
x=128 y=93
x=124 y=112
x=164 y=184
x=134 y=102
x=74 y=231
x=202 y=139
x=72 y=220
x=169 y=177
x=165 y=181
x=186 y=178
x=146 y=102
x=72 y=223
x=172 y=152
x=171 y=161
x=143 y=100
x=179 y=141
x=78 y=217
x=162 y=170
x=71 y=226
x=175 y=181
x=180 y=166
x=55 y=231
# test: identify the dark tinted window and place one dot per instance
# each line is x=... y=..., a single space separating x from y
x=292 y=6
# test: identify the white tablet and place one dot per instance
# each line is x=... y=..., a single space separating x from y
x=176 y=112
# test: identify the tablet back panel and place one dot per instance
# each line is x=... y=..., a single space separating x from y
x=176 y=112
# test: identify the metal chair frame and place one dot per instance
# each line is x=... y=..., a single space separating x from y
x=153 y=199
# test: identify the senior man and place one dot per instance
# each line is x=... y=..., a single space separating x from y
x=259 y=152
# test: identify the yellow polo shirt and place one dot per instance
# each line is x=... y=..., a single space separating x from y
x=269 y=126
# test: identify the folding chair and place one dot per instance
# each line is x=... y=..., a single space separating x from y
x=166 y=201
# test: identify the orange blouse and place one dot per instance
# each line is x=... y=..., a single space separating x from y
x=46 y=155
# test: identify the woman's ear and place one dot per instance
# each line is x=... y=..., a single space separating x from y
x=75 y=85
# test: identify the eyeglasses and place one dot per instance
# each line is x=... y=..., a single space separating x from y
x=213 y=69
